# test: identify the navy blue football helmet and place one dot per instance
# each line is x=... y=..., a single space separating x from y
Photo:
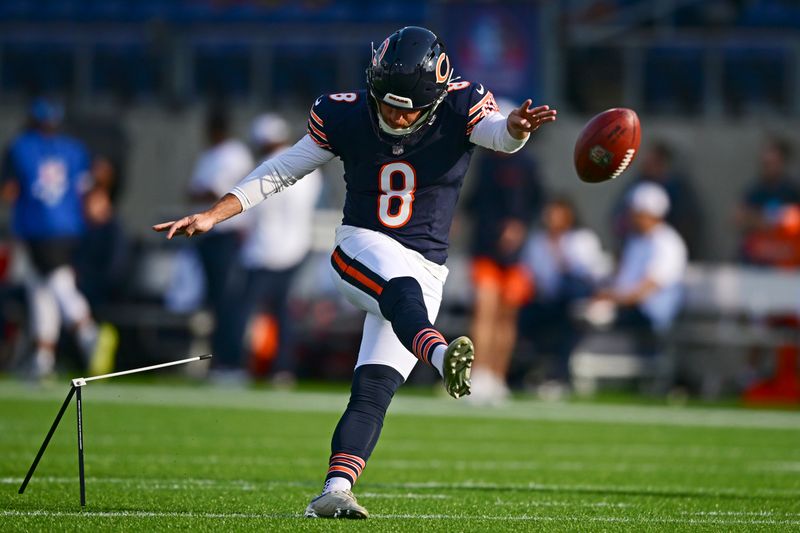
x=410 y=69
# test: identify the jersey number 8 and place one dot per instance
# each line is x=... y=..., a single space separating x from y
x=391 y=213
x=344 y=97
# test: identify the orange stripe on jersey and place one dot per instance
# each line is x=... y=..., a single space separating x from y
x=475 y=120
x=318 y=132
x=317 y=119
x=320 y=143
x=355 y=274
x=479 y=105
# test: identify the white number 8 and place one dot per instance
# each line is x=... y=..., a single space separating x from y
x=401 y=214
x=344 y=97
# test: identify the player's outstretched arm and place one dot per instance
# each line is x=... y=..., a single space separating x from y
x=524 y=120
x=223 y=209
x=510 y=133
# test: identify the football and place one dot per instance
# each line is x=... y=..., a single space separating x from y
x=607 y=145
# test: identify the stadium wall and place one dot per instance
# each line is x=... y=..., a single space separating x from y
x=721 y=156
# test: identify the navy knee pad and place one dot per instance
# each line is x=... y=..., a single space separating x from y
x=401 y=295
x=403 y=305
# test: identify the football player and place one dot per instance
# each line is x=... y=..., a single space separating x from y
x=405 y=142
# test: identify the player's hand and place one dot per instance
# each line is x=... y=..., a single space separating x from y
x=190 y=225
x=525 y=120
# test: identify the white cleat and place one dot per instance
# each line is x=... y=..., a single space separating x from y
x=335 y=504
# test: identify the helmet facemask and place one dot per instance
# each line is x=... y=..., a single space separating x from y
x=409 y=70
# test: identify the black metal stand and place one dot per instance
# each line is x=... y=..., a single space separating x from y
x=75 y=390
x=47 y=438
x=79 y=404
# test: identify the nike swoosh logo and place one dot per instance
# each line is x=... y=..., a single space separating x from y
x=316 y=103
x=480 y=89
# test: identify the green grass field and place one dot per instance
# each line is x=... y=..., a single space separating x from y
x=176 y=456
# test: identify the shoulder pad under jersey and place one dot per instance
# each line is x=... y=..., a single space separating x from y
x=327 y=112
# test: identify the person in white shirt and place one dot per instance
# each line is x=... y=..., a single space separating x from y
x=566 y=262
x=218 y=169
x=647 y=289
x=278 y=239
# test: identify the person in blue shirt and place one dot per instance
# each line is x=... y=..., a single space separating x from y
x=44 y=176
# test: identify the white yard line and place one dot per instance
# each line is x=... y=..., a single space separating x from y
x=250 y=485
x=317 y=402
x=404 y=496
x=460 y=517
x=762 y=514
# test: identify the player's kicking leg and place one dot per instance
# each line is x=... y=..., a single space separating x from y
x=402 y=303
x=390 y=281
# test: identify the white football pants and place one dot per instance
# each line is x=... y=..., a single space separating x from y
x=363 y=261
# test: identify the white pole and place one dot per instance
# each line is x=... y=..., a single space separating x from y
x=80 y=382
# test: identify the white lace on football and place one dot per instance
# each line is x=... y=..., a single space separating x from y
x=626 y=161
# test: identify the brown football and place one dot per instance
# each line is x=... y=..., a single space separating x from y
x=607 y=145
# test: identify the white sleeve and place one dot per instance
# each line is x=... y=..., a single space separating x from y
x=491 y=132
x=281 y=171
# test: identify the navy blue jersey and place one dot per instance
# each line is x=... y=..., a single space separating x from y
x=405 y=187
x=51 y=171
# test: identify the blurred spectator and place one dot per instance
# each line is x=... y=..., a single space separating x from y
x=277 y=241
x=647 y=290
x=768 y=212
x=685 y=214
x=506 y=198
x=104 y=250
x=566 y=262
x=45 y=175
x=217 y=171
x=103 y=258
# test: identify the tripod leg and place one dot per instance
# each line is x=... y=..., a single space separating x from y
x=47 y=440
x=79 y=403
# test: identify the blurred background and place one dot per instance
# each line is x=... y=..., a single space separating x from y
x=155 y=107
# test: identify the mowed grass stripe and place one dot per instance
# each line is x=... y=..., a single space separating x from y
x=106 y=457
x=405 y=405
